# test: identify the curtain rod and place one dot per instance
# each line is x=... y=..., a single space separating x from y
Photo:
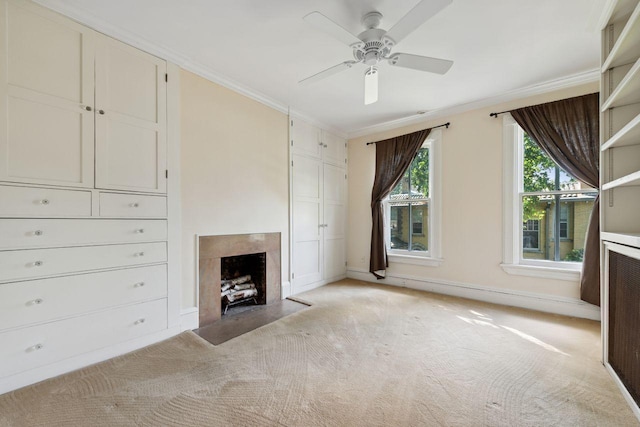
x=496 y=114
x=435 y=127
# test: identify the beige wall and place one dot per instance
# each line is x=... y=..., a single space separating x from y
x=234 y=170
x=471 y=201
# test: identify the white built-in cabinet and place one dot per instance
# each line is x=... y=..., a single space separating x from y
x=83 y=206
x=318 y=194
x=620 y=166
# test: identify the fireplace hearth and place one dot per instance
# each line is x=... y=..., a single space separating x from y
x=224 y=262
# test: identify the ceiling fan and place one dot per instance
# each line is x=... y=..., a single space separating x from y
x=374 y=45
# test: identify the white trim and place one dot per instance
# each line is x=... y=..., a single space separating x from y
x=549 y=304
x=296 y=290
x=542 y=272
x=414 y=260
x=174 y=207
x=32 y=376
x=285 y=291
x=607 y=11
x=293 y=114
x=627 y=396
x=189 y=319
x=533 y=90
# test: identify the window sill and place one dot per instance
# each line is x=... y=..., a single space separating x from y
x=415 y=260
x=567 y=274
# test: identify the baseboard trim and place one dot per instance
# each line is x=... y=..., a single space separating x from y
x=42 y=373
x=295 y=290
x=549 y=304
x=189 y=319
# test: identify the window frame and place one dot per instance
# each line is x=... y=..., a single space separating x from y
x=513 y=262
x=431 y=257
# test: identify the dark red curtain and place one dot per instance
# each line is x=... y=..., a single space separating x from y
x=393 y=158
x=568 y=131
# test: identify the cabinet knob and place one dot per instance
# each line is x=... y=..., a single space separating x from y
x=139 y=254
x=139 y=321
x=101 y=112
x=37 y=263
x=140 y=231
x=35 y=347
x=36 y=301
x=138 y=285
x=325 y=145
x=45 y=201
x=88 y=108
x=320 y=144
x=134 y=205
x=38 y=233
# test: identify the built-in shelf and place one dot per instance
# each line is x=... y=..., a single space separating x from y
x=627 y=92
x=628 y=135
x=621 y=9
x=625 y=51
x=629 y=239
x=633 y=179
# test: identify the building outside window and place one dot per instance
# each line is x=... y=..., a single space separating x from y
x=554 y=207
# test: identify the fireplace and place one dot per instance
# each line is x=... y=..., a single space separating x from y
x=228 y=260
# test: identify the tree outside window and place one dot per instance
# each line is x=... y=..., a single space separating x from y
x=555 y=208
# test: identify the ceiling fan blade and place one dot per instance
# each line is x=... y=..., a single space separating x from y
x=416 y=17
x=420 y=63
x=325 y=24
x=328 y=72
x=371 y=86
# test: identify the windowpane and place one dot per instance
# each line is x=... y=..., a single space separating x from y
x=539 y=238
x=540 y=173
x=420 y=174
x=399 y=226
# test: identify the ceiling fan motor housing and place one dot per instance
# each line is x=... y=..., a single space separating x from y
x=374 y=49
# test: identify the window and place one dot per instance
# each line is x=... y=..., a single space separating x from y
x=551 y=207
x=412 y=209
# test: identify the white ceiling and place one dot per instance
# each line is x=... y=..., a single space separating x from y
x=264 y=46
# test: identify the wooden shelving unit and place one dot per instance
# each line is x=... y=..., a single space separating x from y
x=619 y=179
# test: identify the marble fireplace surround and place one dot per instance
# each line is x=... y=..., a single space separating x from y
x=213 y=248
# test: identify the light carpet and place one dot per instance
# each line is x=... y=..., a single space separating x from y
x=361 y=355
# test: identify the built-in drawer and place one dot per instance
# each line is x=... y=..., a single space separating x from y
x=32 y=347
x=38 y=263
x=43 y=202
x=36 y=301
x=40 y=233
x=132 y=205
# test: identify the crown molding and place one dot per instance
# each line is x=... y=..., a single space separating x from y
x=312 y=121
x=102 y=26
x=533 y=90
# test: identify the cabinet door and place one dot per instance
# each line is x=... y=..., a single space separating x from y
x=306 y=138
x=46 y=97
x=130 y=118
x=307 y=222
x=335 y=149
x=334 y=190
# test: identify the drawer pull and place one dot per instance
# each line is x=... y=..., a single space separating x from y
x=36 y=301
x=138 y=285
x=45 y=201
x=37 y=264
x=139 y=321
x=38 y=233
x=135 y=205
x=139 y=254
x=35 y=348
x=140 y=231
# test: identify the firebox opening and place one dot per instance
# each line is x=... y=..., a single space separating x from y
x=243 y=281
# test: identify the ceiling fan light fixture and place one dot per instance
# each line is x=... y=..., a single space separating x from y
x=371 y=85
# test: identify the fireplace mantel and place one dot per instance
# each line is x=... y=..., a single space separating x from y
x=213 y=248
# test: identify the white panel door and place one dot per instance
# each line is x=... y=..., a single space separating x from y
x=335 y=149
x=46 y=97
x=307 y=221
x=334 y=188
x=306 y=139
x=131 y=118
